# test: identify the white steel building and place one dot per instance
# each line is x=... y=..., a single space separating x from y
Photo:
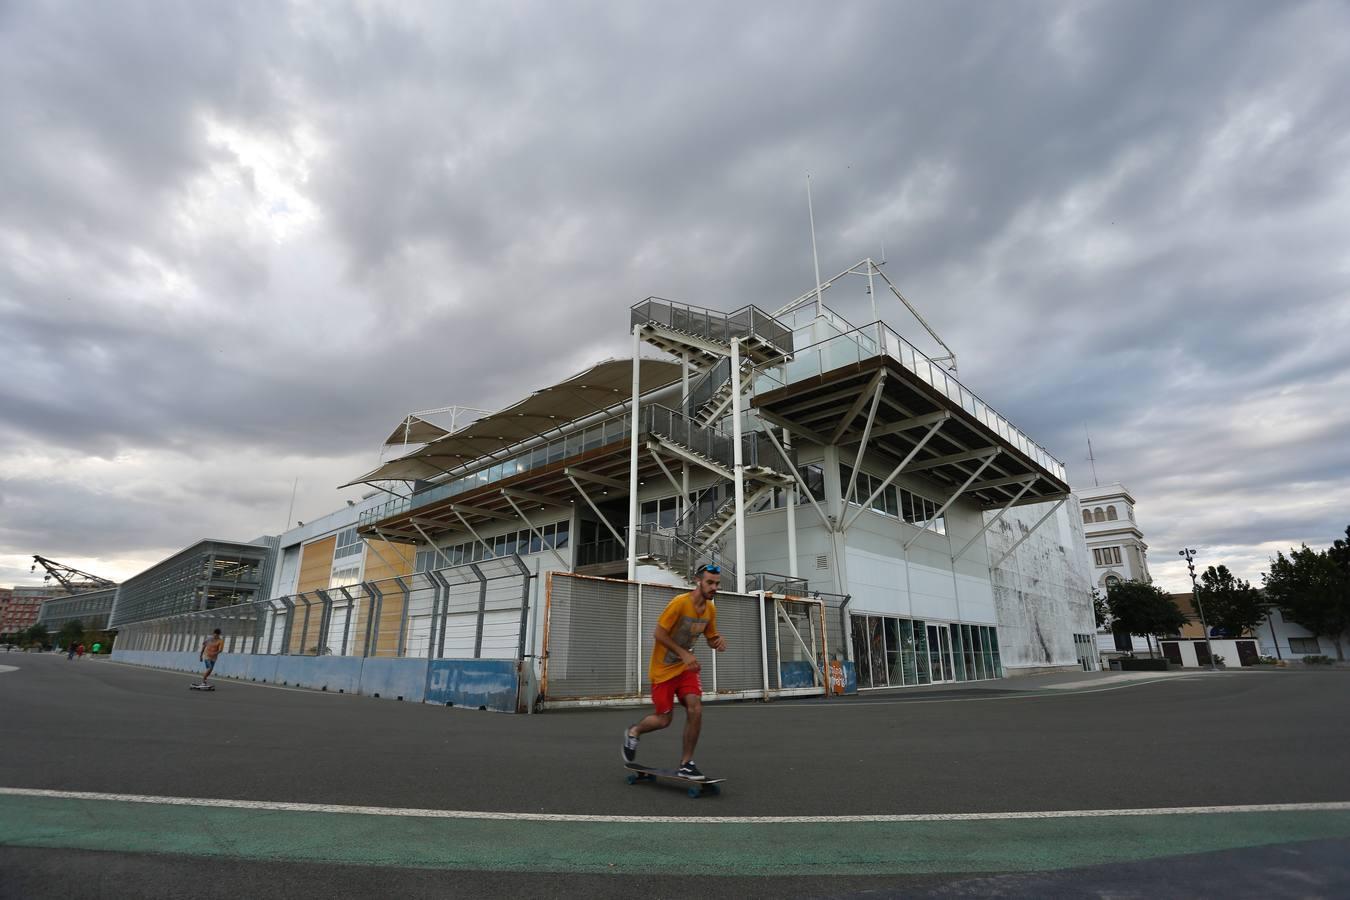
x=790 y=447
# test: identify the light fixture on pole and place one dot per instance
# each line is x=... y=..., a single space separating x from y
x=1189 y=554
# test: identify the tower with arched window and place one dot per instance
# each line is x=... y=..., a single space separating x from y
x=1115 y=543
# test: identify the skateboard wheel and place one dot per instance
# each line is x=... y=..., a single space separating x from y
x=694 y=792
x=632 y=779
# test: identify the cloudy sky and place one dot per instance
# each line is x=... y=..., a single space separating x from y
x=239 y=241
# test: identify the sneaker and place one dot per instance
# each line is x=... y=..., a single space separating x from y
x=629 y=747
x=690 y=771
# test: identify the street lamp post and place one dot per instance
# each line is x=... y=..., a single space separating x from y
x=1189 y=554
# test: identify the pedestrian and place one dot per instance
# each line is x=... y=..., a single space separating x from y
x=79 y=650
x=211 y=648
x=674 y=668
x=70 y=650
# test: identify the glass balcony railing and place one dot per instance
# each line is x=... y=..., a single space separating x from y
x=877 y=339
x=580 y=441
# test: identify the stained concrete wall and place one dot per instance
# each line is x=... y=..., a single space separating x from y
x=1043 y=592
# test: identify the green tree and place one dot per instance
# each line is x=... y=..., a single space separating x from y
x=1313 y=589
x=1143 y=609
x=70 y=633
x=1230 y=603
x=37 y=634
x=1100 y=610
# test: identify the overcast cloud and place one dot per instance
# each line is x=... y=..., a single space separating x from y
x=239 y=241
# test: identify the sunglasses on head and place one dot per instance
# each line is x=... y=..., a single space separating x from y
x=711 y=570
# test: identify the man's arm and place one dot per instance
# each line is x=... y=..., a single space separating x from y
x=662 y=637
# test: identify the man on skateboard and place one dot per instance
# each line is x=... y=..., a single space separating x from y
x=211 y=648
x=674 y=668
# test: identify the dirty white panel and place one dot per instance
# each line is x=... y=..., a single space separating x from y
x=1043 y=592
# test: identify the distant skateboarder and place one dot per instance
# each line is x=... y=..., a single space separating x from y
x=211 y=648
x=674 y=668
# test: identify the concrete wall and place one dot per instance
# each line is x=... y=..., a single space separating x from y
x=1043 y=592
x=475 y=683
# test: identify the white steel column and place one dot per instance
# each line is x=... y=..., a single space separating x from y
x=791 y=515
x=633 y=459
x=684 y=467
x=738 y=458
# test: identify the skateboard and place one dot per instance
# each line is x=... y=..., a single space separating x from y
x=200 y=686
x=637 y=773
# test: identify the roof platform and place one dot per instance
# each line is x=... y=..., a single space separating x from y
x=872 y=387
x=704 y=335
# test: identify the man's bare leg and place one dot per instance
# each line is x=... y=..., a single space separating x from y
x=693 y=724
x=653 y=722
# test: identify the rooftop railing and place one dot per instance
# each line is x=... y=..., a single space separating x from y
x=748 y=321
x=877 y=339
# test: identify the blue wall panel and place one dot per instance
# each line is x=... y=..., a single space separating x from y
x=473 y=683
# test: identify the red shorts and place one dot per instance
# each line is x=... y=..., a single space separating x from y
x=682 y=685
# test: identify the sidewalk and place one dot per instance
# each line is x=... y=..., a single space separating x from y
x=1019 y=684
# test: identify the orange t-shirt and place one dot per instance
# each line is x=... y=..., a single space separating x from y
x=683 y=623
x=213 y=647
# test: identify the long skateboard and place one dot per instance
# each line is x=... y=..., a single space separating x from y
x=199 y=686
x=637 y=773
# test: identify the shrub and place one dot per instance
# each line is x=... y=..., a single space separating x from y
x=1317 y=660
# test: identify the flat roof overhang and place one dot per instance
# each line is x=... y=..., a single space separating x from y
x=832 y=408
x=602 y=471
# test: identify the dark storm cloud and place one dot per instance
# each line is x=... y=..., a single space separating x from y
x=247 y=231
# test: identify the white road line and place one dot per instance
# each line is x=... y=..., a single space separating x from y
x=1034 y=694
x=4 y=669
x=268 y=805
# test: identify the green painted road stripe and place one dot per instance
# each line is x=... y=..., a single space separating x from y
x=855 y=848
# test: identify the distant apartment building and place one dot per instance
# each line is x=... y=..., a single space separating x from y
x=19 y=610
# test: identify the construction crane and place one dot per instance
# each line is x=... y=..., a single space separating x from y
x=73 y=580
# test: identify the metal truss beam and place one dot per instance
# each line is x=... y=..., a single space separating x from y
x=1029 y=481
x=1038 y=524
x=603 y=480
x=872 y=392
x=536 y=532
x=952 y=499
x=595 y=509
x=895 y=473
x=878 y=384
x=801 y=485
x=967 y=456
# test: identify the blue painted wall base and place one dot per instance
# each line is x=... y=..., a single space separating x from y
x=475 y=683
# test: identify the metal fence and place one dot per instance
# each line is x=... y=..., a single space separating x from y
x=475 y=611
x=597 y=642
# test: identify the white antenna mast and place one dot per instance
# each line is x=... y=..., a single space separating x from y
x=1091 y=459
x=815 y=257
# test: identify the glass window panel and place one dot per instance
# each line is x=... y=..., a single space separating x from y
x=594 y=437
x=536 y=545
x=958 y=654
x=549 y=536
x=561 y=534
x=921 y=652
x=650 y=512
x=879 y=504
x=893 y=655
x=876 y=646
x=892 y=502
x=666 y=517
x=911 y=672
x=860 y=657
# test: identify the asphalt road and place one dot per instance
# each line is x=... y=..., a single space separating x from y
x=1226 y=739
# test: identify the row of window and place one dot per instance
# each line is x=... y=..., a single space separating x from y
x=1103 y=515
x=598 y=435
x=555 y=537
x=893 y=501
x=894 y=652
x=1106 y=556
x=348 y=543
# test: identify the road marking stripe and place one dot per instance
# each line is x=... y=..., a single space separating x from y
x=1031 y=694
x=206 y=802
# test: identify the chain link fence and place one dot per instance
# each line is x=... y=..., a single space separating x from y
x=598 y=642
x=475 y=611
